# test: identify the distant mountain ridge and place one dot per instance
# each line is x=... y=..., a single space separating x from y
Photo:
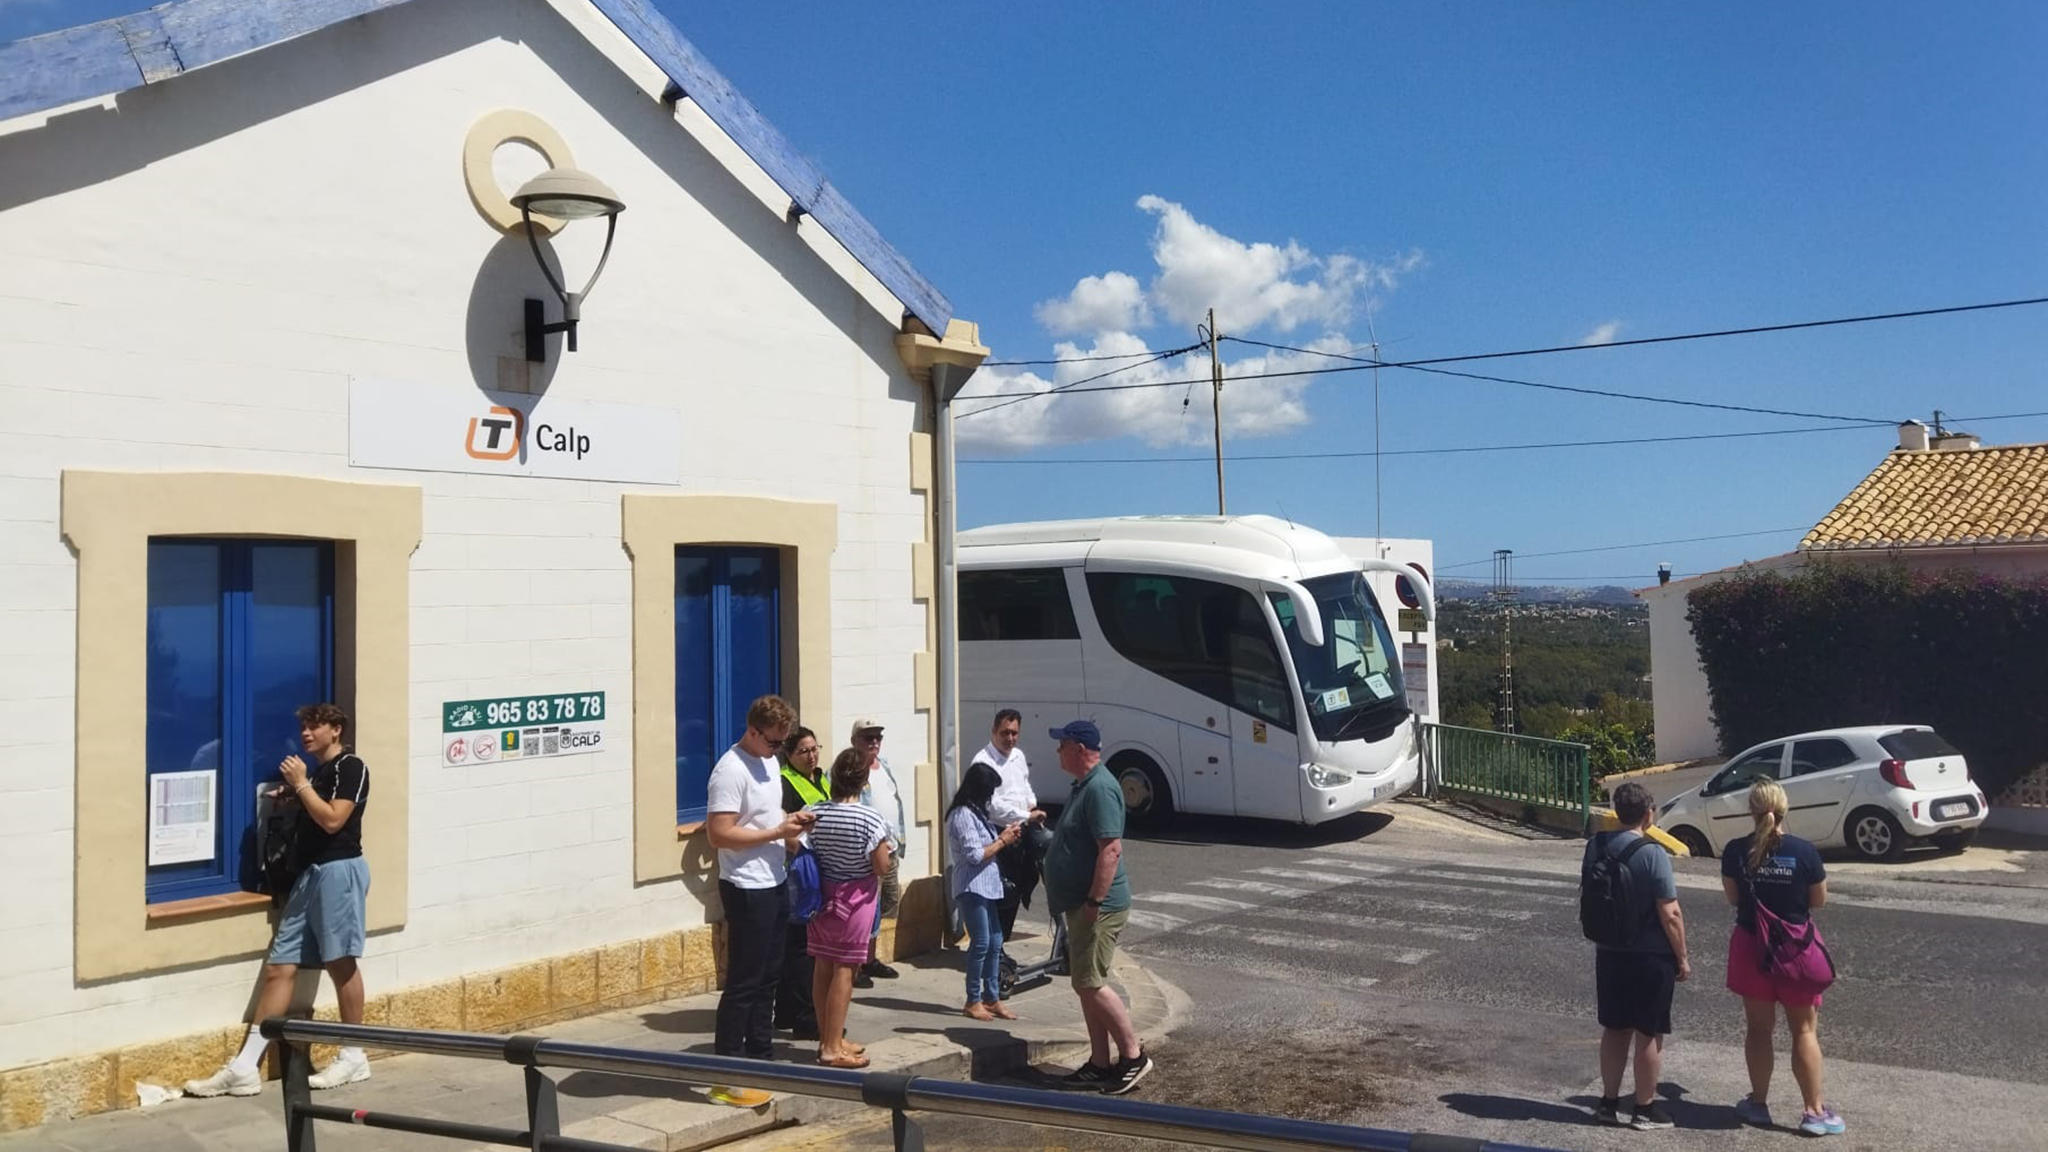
x=1451 y=589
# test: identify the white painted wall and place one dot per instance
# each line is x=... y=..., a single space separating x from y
x=188 y=278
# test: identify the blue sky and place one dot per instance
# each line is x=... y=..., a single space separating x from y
x=1083 y=179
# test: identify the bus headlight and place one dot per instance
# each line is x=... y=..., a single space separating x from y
x=1323 y=777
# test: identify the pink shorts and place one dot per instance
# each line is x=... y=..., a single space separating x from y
x=845 y=922
x=1748 y=979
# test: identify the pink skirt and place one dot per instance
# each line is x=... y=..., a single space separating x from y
x=845 y=922
x=1748 y=979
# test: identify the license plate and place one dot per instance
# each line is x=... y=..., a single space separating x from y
x=1951 y=811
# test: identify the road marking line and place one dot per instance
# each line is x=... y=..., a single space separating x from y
x=1494 y=878
x=1156 y=921
x=1229 y=885
x=1468 y=890
x=1347 y=920
x=1298 y=874
x=1317 y=943
x=1260 y=970
x=1469 y=909
x=1353 y=866
x=1191 y=900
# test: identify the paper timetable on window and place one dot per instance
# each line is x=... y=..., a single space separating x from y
x=181 y=817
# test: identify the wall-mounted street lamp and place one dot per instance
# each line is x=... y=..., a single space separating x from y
x=565 y=194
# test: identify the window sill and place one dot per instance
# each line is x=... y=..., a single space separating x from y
x=201 y=907
x=685 y=831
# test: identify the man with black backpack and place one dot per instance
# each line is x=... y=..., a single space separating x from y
x=1628 y=905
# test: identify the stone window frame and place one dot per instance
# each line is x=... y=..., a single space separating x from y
x=653 y=526
x=108 y=518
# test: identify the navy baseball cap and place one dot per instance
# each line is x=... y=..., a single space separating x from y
x=1082 y=732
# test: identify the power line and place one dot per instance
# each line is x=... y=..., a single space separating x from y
x=1569 y=388
x=1067 y=360
x=1864 y=319
x=1564 y=348
x=1006 y=401
x=1621 y=547
x=1053 y=461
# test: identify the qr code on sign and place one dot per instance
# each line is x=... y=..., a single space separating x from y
x=550 y=744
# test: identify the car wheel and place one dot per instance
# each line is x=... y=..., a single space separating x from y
x=1695 y=844
x=1951 y=845
x=1875 y=835
x=1147 y=800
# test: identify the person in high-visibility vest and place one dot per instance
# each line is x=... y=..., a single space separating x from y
x=803 y=784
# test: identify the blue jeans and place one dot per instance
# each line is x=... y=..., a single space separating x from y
x=983 y=918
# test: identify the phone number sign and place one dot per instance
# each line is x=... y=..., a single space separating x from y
x=521 y=728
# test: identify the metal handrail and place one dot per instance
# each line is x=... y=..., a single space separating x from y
x=900 y=1094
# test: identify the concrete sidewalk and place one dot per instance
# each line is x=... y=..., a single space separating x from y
x=911 y=1025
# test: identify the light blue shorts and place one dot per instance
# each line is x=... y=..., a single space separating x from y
x=324 y=915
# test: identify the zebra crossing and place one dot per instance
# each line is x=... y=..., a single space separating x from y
x=1339 y=918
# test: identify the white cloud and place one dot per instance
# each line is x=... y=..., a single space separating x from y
x=1604 y=334
x=1258 y=284
x=1160 y=417
x=1252 y=286
x=1111 y=302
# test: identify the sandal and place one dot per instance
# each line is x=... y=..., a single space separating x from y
x=978 y=1011
x=999 y=1010
x=843 y=1060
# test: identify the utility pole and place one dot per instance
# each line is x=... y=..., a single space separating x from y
x=1504 y=595
x=1216 y=406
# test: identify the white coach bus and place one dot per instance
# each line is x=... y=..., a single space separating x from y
x=1237 y=665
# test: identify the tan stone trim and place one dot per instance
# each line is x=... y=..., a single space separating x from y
x=198 y=906
x=921 y=460
x=109 y=517
x=653 y=526
x=480 y=147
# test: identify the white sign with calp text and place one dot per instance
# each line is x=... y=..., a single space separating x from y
x=424 y=427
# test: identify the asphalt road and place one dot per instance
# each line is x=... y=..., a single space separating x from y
x=1408 y=970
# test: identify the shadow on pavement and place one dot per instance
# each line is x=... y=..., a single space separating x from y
x=597 y=1085
x=1247 y=833
x=685 y=1021
x=1483 y=1106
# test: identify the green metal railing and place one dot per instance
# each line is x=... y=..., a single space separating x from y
x=1521 y=769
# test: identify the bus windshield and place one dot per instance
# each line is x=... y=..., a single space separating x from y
x=1352 y=683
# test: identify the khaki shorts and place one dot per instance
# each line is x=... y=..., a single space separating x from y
x=1091 y=945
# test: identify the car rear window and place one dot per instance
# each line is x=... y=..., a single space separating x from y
x=1917 y=744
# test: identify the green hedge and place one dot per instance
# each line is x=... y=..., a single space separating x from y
x=1840 y=644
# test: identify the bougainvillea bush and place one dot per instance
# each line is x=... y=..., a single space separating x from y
x=1840 y=644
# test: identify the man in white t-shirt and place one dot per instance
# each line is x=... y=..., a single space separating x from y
x=1013 y=803
x=754 y=838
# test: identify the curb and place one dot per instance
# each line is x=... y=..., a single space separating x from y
x=687 y=1125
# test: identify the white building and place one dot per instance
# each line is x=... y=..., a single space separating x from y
x=271 y=434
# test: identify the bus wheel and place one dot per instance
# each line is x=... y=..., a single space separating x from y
x=1147 y=800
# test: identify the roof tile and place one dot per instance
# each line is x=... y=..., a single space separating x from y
x=1924 y=499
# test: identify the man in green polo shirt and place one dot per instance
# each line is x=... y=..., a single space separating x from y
x=1084 y=881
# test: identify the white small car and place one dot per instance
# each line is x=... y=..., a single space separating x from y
x=1874 y=790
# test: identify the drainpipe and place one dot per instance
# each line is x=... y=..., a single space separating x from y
x=947 y=380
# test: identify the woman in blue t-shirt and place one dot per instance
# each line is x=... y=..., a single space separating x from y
x=1785 y=873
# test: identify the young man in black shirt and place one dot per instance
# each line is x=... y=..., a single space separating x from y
x=324 y=916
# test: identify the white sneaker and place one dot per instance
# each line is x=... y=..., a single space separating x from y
x=344 y=1070
x=226 y=1082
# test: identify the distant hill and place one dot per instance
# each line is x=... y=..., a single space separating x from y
x=1450 y=589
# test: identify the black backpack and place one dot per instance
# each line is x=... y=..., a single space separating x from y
x=1607 y=896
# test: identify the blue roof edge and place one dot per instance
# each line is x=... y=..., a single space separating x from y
x=113 y=56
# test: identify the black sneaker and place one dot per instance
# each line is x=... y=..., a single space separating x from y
x=1649 y=1117
x=861 y=979
x=1088 y=1075
x=1127 y=1075
x=878 y=970
x=1608 y=1111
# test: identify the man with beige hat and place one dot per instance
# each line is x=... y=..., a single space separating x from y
x=886 y=799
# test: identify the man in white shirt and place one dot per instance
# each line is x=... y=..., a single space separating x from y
x=886 y=799
x=1013 y=803
x=754 y=838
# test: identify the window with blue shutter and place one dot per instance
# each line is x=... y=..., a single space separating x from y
x=728 y=652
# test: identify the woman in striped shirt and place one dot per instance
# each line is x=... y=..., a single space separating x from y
x=851 y=842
